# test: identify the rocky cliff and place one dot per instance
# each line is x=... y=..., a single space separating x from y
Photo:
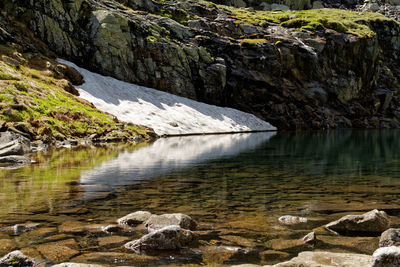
x=314 y=69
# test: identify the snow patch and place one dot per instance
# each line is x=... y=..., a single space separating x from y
x=166 y=113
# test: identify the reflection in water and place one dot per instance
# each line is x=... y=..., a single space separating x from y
x=235 y=186
x=170 y=154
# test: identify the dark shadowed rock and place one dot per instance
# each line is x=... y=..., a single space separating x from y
x=391 y=237
x=170 y=237
x=134 y=218
x=112 y=228
x=156 y=222
x=17 y=259
x=387 y=257
x=372 y=222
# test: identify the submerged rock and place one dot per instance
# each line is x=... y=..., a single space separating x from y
x=21 y=228
x=112 y=228
x=134 y=218
x=319 y=259
x=214 y=255
x=387 y=257
x=372 y=222
x=16 y=258
x=156 y=222
x=57 y=251
x=167 y=238
x=391 y=237
x=292 y=220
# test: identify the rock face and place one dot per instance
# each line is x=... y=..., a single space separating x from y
x=167 y=238
x=134 y=218
x=319 y=259
x=293 y=79
x=16 y=258
x=372 y=222
x=13 y=144
x=387 y=257
x=156 y=222
x=391 y=237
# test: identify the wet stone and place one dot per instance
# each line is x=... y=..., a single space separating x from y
x=372 y=222
x=238 y=240
x=156 y=222
x=315 y=259
x=72 y=227
x=310 y=239
x=7 y=245
x=32 y=253
x=112 y=257
x=391 y=237
x=272 y=255
x=220 y=254
x=112 y=240
x=16 y=258
x=56 y=252
x=112 y=228
x=167 y=238
x=282 y=244
x=387 y=257
x=21 y=228
x=134 y=218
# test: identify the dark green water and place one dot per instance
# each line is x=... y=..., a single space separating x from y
x=235 y=186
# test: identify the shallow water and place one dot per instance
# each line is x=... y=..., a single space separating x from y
x=235 y=186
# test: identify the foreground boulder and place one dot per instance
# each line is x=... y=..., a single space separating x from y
x=387 y=257
x=16 y=258
x=391 y=237
x=167 y=238
x=156 y=222
x=134 y=218
x=319 y=259
x=372 y=222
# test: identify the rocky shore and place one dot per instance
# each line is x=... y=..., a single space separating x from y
x=143 y=238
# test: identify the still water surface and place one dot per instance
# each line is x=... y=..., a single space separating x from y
x=235 y=186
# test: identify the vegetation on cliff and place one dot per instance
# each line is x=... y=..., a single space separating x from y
x=37 y=99
x=343 y=21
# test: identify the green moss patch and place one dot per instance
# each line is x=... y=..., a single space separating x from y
x=342 y=21
x=35 y=96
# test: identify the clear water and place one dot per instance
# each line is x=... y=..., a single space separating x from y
x=235 y=186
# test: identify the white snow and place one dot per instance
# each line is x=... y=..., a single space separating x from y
x=166 y=113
